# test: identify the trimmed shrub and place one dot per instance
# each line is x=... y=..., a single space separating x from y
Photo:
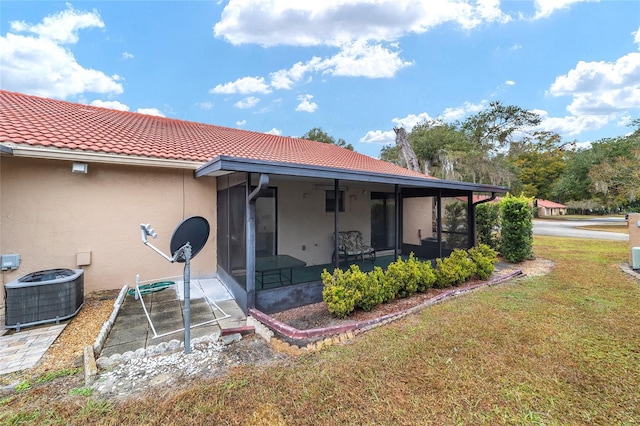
x=403 y=276
x=517 y=228
x=485 y=258
x=385 y=286
x=426 y=276
x=454 y=270
x=367 y=286
x=339 y=296
x=488 y=223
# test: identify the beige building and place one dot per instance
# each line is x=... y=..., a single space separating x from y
x=549 y=208
x=77 y=182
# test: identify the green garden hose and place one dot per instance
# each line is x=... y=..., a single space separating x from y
x=151 y=288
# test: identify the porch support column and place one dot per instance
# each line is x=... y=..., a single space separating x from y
x=250 y=236
x=439 y=222
x=396 y=222
x=471 y=221
x=336 y=224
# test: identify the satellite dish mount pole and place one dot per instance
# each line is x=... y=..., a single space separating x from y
x=187 y=241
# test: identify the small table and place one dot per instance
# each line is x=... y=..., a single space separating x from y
x=275 y=265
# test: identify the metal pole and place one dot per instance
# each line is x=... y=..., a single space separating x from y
x=187 y=298
x=336 y=224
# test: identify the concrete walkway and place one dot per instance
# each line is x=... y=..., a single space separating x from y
x=211 y=305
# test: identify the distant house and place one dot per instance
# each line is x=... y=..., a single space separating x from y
x=76 y=182
x=550 y=208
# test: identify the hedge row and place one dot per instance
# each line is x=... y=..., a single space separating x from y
x=345 y=291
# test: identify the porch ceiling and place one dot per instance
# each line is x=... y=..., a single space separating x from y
x=224 y=164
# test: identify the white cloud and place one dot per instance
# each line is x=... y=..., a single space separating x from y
x=241 y=122
x=244 y=85
x=40 y=63
x=61 y=27
x=306 y=104
x=636 y=38
x=571 y=125
x=510 y=83
x=110 y=104
x=245 y=103
x=411 y=120
x=284 y=79
x=274 y=131
x=601 y=88
x=457 y=113
x=379 y=137
x=362 y=59
x=127 y=55
x=150 y=111
x=313 y=23
x=204 y=105
x=545 y=8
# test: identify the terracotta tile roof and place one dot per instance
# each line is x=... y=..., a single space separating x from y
x=550 y=204
x=35 y=121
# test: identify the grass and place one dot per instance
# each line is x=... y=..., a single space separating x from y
x=622 y=229
x=558 y=349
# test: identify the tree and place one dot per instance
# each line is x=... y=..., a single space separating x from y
x=494 y=127
x=408 y=154
x=392 y=154
x=617 y=180
x=437 y=146
x=319 y=135
x=577 y=182
x=539 y=163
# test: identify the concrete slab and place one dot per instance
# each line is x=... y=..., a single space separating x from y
x=166 y=311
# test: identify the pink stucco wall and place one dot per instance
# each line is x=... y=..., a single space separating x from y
x=49 y=214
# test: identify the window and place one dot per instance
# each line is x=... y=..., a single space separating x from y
x=330 y=201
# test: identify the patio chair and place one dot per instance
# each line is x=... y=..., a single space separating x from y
x=351 y=243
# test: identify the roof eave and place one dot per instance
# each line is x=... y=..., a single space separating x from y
x=52 y=153
x=224 y=164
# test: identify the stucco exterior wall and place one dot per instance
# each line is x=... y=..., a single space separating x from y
x=303 y=220
x=50 y=214
x=634 y=233
x=417 y=219
x=551 y=211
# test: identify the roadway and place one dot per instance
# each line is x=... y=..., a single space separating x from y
x=568 y=228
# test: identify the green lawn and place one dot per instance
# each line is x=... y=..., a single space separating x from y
x=555 y=350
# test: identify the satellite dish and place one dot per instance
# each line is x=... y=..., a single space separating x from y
x=193 y=230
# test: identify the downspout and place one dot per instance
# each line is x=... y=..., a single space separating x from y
x=263 y=184
x=474 y=237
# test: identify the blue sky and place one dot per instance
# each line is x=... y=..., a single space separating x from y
x=356 y=68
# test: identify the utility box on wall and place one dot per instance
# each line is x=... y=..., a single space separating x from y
x=635 y=257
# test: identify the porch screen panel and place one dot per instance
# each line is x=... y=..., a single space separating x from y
x=223 y=229
x=382 y=220
x=455 y=226
x=237 y=238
